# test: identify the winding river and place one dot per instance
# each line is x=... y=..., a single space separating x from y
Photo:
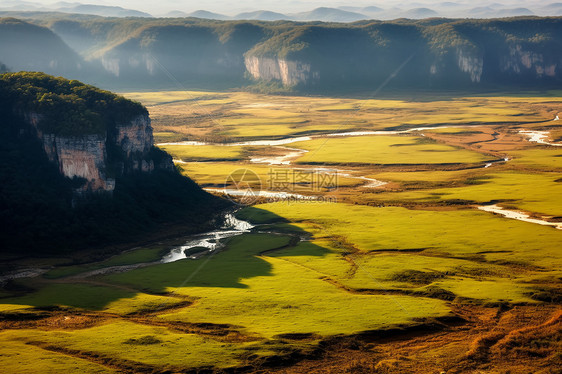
x=520 y=216
x=294 y=153
x=199 y=245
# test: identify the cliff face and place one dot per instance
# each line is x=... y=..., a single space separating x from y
x=461 y=65
x=452 y=54
x=530 y=61
x=79 y=170
x=290 y=73
x=99 y=159
x=134 y=140
x=470 y=63
x=81 y=157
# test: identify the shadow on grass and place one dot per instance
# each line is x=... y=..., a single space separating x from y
x=241 y=259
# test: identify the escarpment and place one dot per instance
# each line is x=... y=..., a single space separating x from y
x=96 y=160
x=79 y=170
x=472 y=65
x=290 y=73
x=92 y=136
x=443 y=53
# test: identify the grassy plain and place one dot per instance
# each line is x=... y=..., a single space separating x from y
x=533 y=192
x=404 y=277
x=265 y=296
x=134 y=256
x=207 y=115
x=469 y=253
x=217 y=174
x=545 y=158
x=204 y=152
x=384 y=150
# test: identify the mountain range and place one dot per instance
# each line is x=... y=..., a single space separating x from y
x=325 y=14
x=320 y=57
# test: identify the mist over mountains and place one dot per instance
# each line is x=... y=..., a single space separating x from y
x=434 y=53
x=296 y=10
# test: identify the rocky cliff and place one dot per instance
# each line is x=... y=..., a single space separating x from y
x=450 y=54
x=86 y=156
x=92 y=136
x=531 y=61
x=290 y=73
x=79 y=170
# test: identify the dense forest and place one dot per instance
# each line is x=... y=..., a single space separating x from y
x=39 y=209
x=67 y=107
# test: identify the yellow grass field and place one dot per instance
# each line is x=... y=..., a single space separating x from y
x=391 y=269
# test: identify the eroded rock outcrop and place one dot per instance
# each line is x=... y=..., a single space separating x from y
x=289 y=72
x=522 y=60
x=97 y=160
x=471 y=63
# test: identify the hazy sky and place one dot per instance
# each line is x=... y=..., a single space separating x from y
x=158 y=7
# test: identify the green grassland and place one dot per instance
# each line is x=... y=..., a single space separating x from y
x=110 y=341
x=19 y=357
x=217 y=174
x=473 y=233
x=532 y=192
x=472 y=254
x=204 y=115
x=405 y=254
x=165 y=97
x=205 y=152
x=86 y=296
x=259 y=296
x=264 y=295
x=127 y=258
x=541 y=158
x=433 y=176
x=384 y=150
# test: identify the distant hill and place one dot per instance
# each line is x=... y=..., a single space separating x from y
x=418 y=13
x=208 y=15
x=79 y=170
x=449 y=4
x=520 y=52
x=380 y=11
x=554 y=9
x=307 y=56
x=176 y=13
x=481 y=11
x=488 y=12
x=102 y=10
x=553 y=6
x=262 y=15
x=330 y=15
x=372 y=9
x=348 y=8
x=514 y=12
x=25 y=46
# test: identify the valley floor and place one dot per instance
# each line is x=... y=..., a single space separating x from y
x=373 y=236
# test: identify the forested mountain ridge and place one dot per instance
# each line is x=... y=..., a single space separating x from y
x=79 y=169
x=315 y=56
x=25 y=46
